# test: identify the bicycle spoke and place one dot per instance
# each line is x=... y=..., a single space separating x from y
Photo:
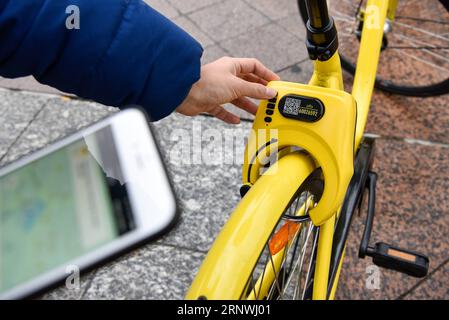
x=421 y=20
x=414 y=41
x=275 y=273
x=262 y=278
x=254 y=287
x=422 y=31
x=308 y=276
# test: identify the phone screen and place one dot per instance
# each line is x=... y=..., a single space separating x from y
x=60 y=207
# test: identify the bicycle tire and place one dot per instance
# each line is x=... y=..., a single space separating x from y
x=435 y=89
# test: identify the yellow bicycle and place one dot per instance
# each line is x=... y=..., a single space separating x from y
x=307 y=167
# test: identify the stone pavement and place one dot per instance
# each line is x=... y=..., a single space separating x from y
x=412 y=162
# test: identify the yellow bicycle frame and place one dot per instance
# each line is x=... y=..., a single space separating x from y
x=234 y=253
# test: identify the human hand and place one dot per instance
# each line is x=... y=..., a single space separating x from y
x=229 y=80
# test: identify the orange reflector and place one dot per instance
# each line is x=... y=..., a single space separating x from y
x=283 y=236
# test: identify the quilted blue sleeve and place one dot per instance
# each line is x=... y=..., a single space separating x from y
x=123 y=53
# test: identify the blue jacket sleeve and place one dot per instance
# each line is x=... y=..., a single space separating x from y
x=123 y=53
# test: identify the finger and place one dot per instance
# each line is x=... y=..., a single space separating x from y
x=250 y=65
x=221 y=113
x=253 y=90
x=253 y=78
x=245 y=104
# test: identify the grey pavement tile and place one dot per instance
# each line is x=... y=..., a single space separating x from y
x=17 y=110
x=193 y=30
x=227 y=19
x=293 y=24
x=151 y=272
x=28 y=84
x=209 y=190
x=300 y=72
x=212 y=53
x=60 y=117
x=435 y=287
x=164 y=7
x=271 y=44
x=188 y=6
x=274 y=9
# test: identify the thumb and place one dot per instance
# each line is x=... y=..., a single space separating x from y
x=254 y=90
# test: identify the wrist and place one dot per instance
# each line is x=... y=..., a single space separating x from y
x=191 y=101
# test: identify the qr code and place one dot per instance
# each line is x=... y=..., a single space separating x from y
x=292 y=106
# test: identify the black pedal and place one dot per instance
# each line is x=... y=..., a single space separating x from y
x=386 y=256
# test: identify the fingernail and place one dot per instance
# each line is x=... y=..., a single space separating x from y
x=271 y=93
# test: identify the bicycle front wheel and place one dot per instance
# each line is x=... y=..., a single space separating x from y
x=267 y=248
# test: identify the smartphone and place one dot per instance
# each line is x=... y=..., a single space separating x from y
x=82 y=200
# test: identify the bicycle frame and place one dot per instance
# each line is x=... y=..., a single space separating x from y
x=237 y=245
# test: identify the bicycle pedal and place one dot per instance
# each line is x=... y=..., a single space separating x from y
x=384 y=255
x=409 y=262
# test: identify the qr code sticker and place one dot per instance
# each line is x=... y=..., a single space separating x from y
x=292 y=106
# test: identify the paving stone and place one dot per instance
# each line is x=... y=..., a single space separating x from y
x=17 y=110
x=408 y=117
x=188 y=6
x=293 y=24
x=193 y=30
x=436 y=286
x=208 y=190
x=151 y=272
x=227 y=19
x=300 y=72
x=57 y=119
x=27 y=84
x=164 y=7
x=212 y=53
x=271 y=44
x=274 y=9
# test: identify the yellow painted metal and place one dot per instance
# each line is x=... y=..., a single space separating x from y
x=391 y=12
x=370 y=44
x=329 y=140
x=328 y=73
x=230 y=261
x=323 y=259
x=337 y=277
